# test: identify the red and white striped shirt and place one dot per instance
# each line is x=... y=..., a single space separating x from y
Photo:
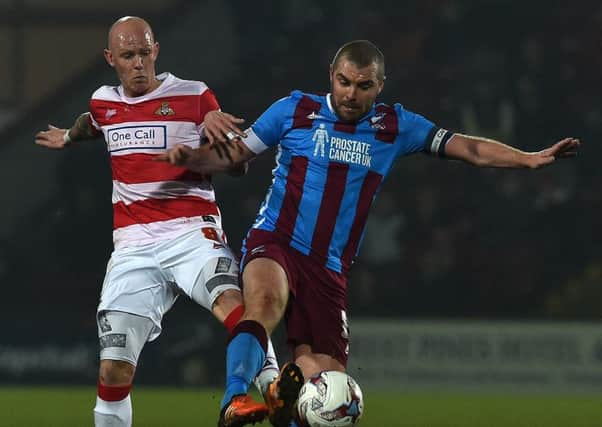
x=154 y=200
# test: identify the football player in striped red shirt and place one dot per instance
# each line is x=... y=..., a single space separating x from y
x=168 y=238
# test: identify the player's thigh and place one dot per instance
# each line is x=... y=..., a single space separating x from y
x=266 y=268
x=266 y=278
x=266 y=288
x=313 y=363
x=316 y=315
x=121 y=337
x=135 y=284
x=203 y=268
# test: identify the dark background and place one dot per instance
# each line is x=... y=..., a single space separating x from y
x=445 y=240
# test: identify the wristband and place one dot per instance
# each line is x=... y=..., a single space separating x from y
x=66 y=137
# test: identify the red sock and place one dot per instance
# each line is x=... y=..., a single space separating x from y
x=110 y=393
x=234 y=317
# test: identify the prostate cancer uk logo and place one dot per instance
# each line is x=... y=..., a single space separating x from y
x=151 y=137
x=341 y=149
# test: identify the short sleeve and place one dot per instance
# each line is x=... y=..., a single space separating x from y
x=418 y=134
x=91 y=119
x=268 y=129
x=207 y=102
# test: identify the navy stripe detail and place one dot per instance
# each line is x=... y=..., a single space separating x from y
x=369 y=188
x=289 y=210
x=389 y=124
x=334 y=188
x=254 y=328
x=345 y=127
x=305 y=107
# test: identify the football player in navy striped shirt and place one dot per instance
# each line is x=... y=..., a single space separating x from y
x=334 y=152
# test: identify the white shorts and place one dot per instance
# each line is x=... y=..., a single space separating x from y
x=146 y=280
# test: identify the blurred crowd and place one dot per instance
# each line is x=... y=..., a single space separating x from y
x=451 y=240
x=444 y=239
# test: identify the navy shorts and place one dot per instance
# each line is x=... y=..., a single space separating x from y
x=316 y=314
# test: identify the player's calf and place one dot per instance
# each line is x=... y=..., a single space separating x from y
x=122 y=336
x=113 y=406
x=270 y=369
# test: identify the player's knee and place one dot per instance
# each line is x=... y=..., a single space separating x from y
x=265 y=283
x=225 y=303
x=266 y=297
x=116 y=372
x=271 y=301
x=265 y=305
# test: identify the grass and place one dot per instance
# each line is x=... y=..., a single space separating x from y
x=161 y=407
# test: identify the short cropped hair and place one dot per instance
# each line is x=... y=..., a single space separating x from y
x=362 y=53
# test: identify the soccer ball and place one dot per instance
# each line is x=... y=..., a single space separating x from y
x=330 y=399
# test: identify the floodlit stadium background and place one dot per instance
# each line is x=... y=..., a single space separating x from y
x=468 y=281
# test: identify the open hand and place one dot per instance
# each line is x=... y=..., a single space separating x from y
x=565 y=148
x=222 y=127
x=52 y=138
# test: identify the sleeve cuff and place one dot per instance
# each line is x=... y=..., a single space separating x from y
x=436 y=140
x=253 y=142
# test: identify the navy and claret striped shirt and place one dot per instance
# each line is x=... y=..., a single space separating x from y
x=328 y=172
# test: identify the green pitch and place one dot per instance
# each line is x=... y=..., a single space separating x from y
x=158 y=407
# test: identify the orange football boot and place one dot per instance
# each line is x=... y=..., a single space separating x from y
x=242 y=410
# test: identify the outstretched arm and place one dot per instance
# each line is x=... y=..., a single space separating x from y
x=485 y=152
x=221 y=127
x=57 y=138
x=210 y=159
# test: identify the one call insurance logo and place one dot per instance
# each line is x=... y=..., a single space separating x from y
x=137 y=138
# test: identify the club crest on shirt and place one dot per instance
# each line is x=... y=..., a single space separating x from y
x=314 y=116
x=376 y=121
x=110 y=113
x=165 y=110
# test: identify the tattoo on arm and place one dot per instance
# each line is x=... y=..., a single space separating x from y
x=82 y=128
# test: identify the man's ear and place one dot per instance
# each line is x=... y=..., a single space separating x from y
x=109 y=57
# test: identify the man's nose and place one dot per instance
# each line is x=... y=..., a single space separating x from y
x=350 y=93
x=138 y=63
